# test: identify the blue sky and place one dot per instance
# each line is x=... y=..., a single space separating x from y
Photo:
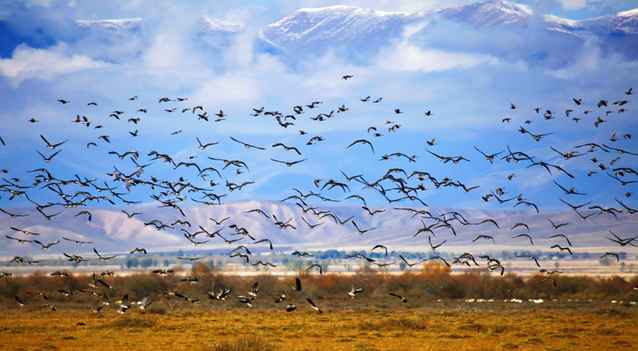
x=455 y=74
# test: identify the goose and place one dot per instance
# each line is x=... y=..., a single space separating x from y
x=67 y=293
x=253 y=291
x=525 y=236
x=297 y=286
x=289 y=164
x=75 y=258
x=290 y=308
x=60 y=274
x=13 y=215
x=163 y=272
x=489 y=157
x=223 y=292
x=403 y=299
x=315 y=265
x=360 y=231
x=561 y=236
x=354 y=291
x=380 y=247
x=52 y=146
x=26 y=232
x=189 y=299
x=562 y=248
x=78 y=242
x=21 y=241
x=98 y=306
x=313 y=306
x=48 y=159
x=635 y=287
x=190 y=280
x=486 y=237
x=531 y=258
x=125 y=304
x=245 y=300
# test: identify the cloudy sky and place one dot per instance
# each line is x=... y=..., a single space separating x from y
x=468 y=77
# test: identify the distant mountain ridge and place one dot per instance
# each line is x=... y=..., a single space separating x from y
x=112 y=232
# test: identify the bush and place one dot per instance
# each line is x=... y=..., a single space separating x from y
x=247 y=343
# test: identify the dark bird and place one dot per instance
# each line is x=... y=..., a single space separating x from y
x=612 y=254
x=103 y=258
x=531 y=258
x=360 y=231
x=363 y=141
x=486 y=237
x=434 y=247
x=48 y=159
x=289 y=164
x=635 y=287
x=290 y=308
x=248 y=145
x=313 y=306
x=561 y=236
x=13 y=215
x=525 y=236
x=562 y=248
x=287 y=148
x=141 y=250
x=489 y=157
x=48 y=246
x=21 y=241
x=403 y=299
x=264 y=240
x=354 y=291
x=315 y=265
x=297 y=286
x=556 y=226
x=78 y=241
x=520 y=225
x=52 y=146
x=380 y=247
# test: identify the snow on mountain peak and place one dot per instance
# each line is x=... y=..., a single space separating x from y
x=212 y=25
x=489 y=13
x=113 y=25
x=312 y=30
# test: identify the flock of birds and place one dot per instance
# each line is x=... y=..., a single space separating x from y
x=51 y=195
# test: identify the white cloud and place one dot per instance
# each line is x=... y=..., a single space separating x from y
x=573 y=4
x=44 y=64
x=405 y=56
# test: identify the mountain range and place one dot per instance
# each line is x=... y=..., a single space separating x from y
x=111 y=231
x=356 y=32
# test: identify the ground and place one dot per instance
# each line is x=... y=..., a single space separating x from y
x=344 y=325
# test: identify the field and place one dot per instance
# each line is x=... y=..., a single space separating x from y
x=345 y=325
x=476 y=310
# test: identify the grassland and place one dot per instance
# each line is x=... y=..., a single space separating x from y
x=345 y=325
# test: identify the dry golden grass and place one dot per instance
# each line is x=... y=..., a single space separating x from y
x=448 y=325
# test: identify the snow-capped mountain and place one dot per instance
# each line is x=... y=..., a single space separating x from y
x=488 y=14
x=212 y=25
x=112 y=231
x=358 y=32
x=314 y=30
x=365 y=30
x=114 y=25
